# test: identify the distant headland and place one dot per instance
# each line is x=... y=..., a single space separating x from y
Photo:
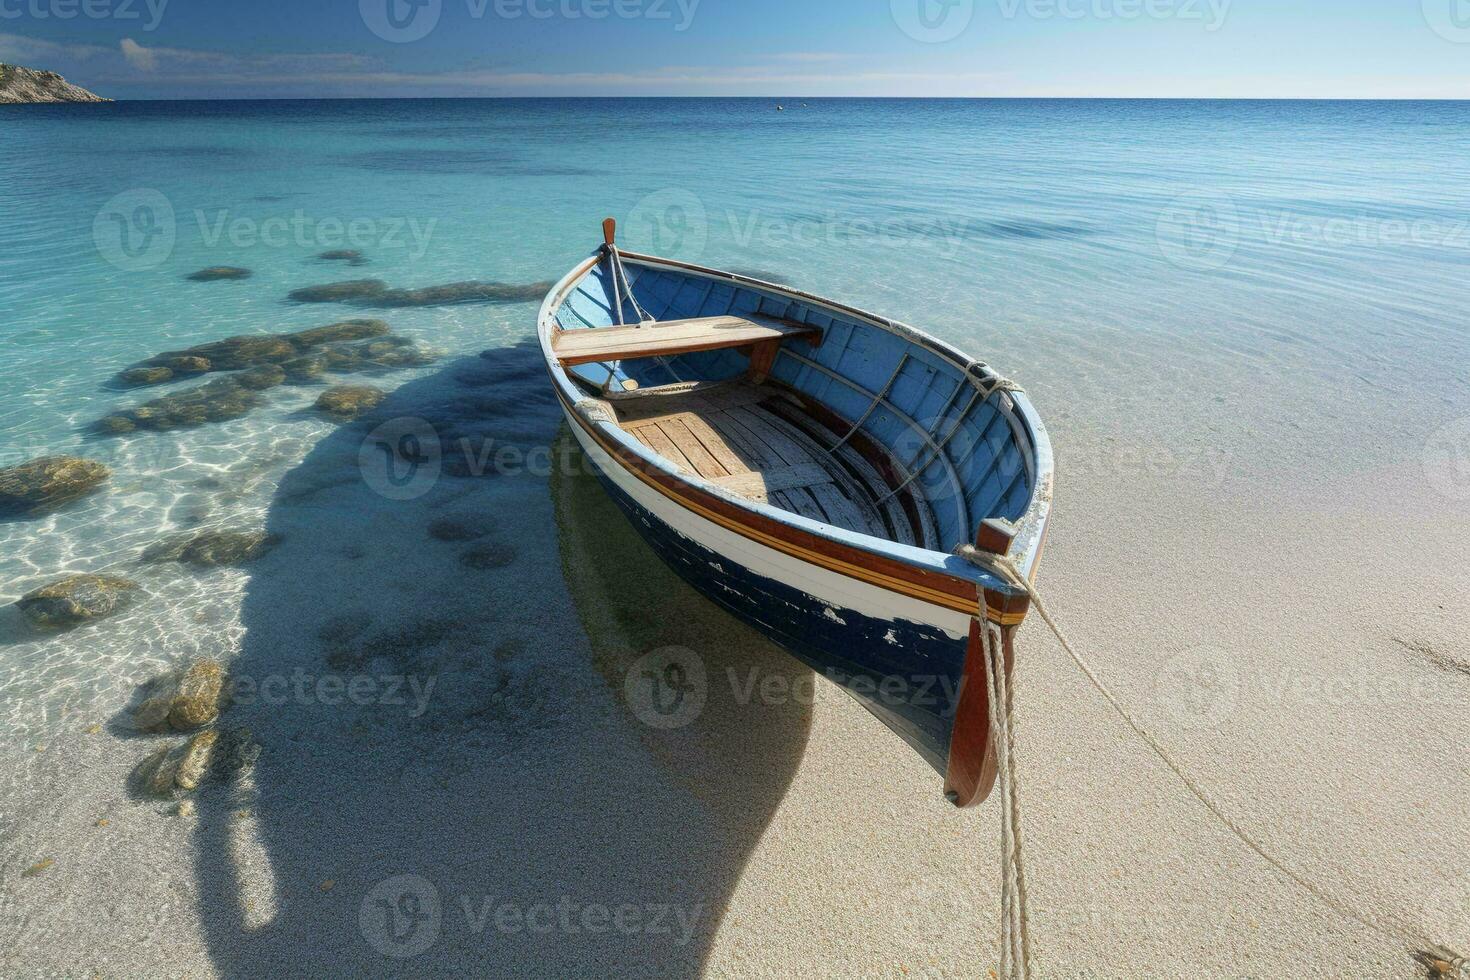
x=19 y=84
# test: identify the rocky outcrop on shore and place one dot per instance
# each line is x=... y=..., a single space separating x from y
x=27 y=85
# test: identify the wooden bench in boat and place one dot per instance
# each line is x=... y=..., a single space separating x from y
x=669 y=338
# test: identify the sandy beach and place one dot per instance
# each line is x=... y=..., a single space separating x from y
x=1300 y=648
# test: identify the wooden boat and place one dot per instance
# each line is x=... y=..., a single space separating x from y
x=812 y=468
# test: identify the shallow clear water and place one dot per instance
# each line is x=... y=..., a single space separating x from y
x=1249 y=295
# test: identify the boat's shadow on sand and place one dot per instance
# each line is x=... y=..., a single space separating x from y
x=452 y=779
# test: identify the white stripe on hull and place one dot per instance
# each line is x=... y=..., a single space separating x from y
x=835 y=590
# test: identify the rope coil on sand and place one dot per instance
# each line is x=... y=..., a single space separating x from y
x=1437 y=958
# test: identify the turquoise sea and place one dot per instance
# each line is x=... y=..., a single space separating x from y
x=1149 y=270
x=1245 y=324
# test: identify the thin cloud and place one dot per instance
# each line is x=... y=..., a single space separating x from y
x=141 y=58
x=17 y=49
x=168 y=59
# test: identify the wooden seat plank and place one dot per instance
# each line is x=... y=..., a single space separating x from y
x=760 y=485
x=705 y=464
x=653 y=437
x=729 y=456
x=672 y=337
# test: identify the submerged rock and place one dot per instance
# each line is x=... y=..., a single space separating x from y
x=194 y=763
x=213 y=548
x=236 y=353
x=186 y=363
x=244 y=352
x=353 y=290
x=375 y=292
x=470 y=527
x=349 y=255
x=383 y=354
x=466 y=292
x=217 y=273
x=236 y=752
x=144 y=376
x=152 y=714
x=50 y=481
x=335 y=332
x=199 y=696
x=213 y=401
x=261 y=378
x=183 y=701
x=488 y=556
x=155 y=774
x=306 y=369
x=172 y=771
x=75 y=600
x=347 y=402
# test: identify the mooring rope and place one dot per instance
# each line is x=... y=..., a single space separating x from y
x=1436 y=957
x=1015 y=942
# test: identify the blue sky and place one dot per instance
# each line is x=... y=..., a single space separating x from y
x=1126 y=48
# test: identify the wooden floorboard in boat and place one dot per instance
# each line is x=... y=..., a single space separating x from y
x=741 y=438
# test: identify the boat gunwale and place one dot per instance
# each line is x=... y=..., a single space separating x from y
x=1029 y=530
